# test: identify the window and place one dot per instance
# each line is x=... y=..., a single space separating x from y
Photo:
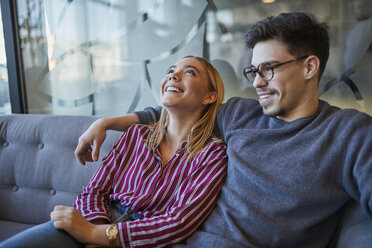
x=107 y=57
x=4 y=85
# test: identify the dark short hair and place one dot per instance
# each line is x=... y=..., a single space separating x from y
x=301 y=33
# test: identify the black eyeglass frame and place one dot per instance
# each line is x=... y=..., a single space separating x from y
x=257 y=70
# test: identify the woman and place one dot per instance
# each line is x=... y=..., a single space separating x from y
x=163 y=179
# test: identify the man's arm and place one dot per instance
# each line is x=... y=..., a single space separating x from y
x=90 y=142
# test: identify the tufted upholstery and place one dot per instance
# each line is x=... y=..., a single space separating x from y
x=38 y=170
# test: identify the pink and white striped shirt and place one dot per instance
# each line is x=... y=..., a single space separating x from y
x=174 y=198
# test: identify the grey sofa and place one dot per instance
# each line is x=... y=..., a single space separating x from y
x=38 y=170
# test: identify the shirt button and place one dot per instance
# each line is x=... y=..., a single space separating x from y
x=15 y=188
x=41 y=146
x=5 y=144
x=52 y=192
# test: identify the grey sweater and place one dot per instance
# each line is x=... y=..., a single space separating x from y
x=287 y=182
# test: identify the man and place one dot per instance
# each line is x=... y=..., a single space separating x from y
x=294 y=160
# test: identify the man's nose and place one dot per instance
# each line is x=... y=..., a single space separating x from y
x=259 y=82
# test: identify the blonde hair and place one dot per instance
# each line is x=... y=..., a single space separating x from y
x=202 y=132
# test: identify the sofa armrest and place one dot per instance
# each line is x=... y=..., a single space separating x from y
x=38 y=168
x=355 y=228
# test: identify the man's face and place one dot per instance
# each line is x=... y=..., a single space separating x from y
x=284 y=96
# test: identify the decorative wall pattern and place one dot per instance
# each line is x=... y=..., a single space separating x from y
x=107 y=57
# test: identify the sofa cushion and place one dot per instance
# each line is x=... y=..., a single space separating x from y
x=9 y=228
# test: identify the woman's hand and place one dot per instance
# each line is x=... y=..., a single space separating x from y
x=71 y=220
x=90 y=142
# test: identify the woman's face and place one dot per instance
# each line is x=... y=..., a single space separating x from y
x=185 y=87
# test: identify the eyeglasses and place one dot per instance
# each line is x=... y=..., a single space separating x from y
x=265 y=70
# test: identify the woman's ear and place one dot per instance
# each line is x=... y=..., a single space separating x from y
x=210 y=98
x=311 y=67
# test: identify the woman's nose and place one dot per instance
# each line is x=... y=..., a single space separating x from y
x=174 y=76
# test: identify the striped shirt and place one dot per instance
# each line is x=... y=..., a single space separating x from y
x=174 y=198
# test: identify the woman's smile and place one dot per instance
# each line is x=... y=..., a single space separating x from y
x=173 y=89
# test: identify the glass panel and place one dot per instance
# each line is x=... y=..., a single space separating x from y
x=4 y=85
x=108 y=57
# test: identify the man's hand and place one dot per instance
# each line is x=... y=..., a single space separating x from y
x=90 y=142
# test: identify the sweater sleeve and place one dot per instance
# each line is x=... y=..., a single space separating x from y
x=358 y=160
x=149 y=115
x=92 y=203
x=219 y=124
x=226 y=113
x=193 y=201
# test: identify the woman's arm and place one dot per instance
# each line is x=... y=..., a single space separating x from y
x=93 y=201
x=88 y=220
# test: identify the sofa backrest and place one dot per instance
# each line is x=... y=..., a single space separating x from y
x=38 y=168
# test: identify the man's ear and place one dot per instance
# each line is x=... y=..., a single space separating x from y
x=311 y=67
x=210 y=98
